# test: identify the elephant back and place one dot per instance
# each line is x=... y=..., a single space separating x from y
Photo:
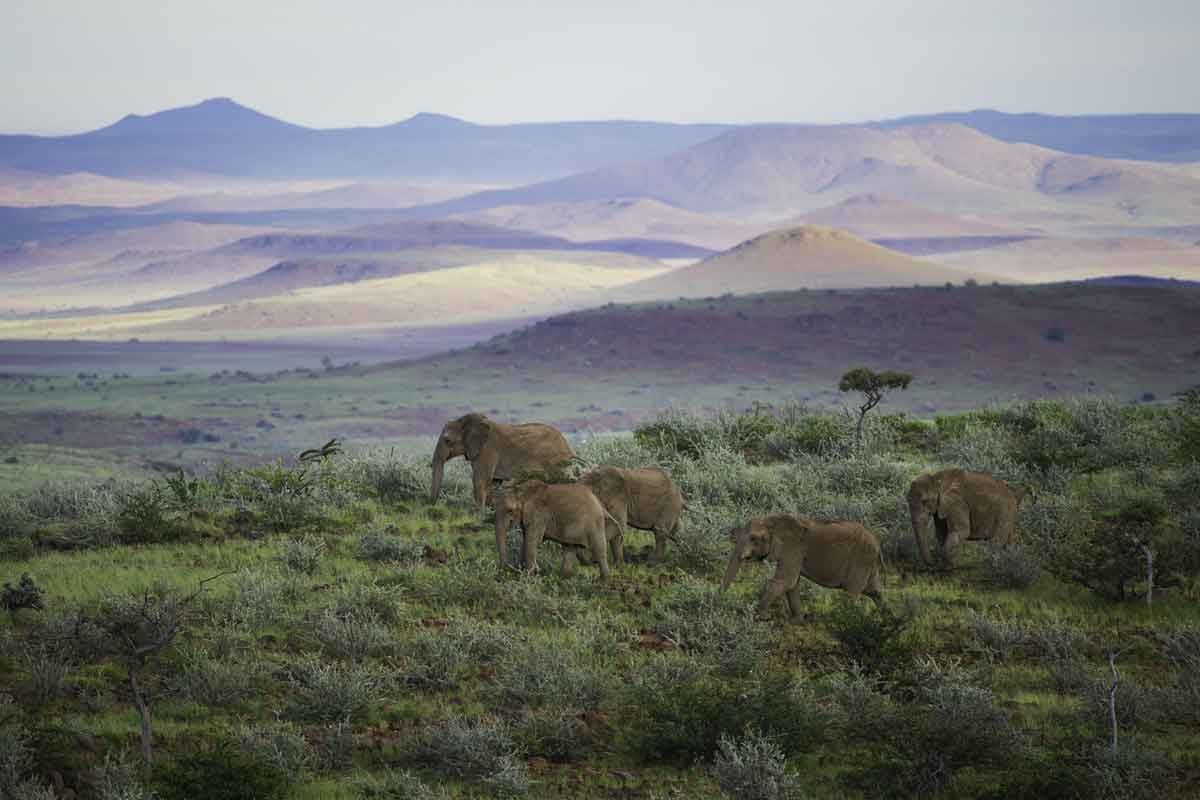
x=531 y=448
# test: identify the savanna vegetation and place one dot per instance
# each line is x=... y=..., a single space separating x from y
x=317 y=629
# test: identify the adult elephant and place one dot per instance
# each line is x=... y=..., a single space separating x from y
x=497 y=451
x=964 y=506
x=834 y=553
x=645 y=498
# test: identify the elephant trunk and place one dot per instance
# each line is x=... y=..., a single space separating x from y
x=735 y=561
x=439 y=468
x=920 y=523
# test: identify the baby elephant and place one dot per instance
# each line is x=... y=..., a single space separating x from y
x=839 y=555
x=568 y=513
x=646 y=499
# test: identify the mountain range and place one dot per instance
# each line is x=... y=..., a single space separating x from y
x=221 y=137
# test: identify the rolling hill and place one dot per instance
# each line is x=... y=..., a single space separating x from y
x=876 y=215
x=513 y=287
x=1143 y=137
x=620 y=218
x=1075 y=259
x=773 y=172
x=805 y=257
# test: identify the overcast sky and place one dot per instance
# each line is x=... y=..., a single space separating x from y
x=74 y=66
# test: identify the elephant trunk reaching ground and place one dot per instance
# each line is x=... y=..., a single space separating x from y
x=440 y=454
x=741 y=542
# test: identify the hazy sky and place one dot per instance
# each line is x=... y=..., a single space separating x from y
x=73 y=66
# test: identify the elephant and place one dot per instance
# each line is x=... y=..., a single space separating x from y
x=965 y=506
x=836 y=554
x=497 y=451
x=567 y=513
x=646 y=499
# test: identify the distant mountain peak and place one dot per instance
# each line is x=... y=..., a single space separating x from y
x=212 y=114
x=431 y=120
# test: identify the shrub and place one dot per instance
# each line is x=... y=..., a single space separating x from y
x=218 y=682
x=226 y=773
x=866 y=475
x=262 y=598
x=143 y=515
x=279 y=745
x=541 y=673
x=443 y=657
x=26 y=594
x=805 y=433
x=389 y=478
x=615 y=450
x=996 y=639
x=753 y=767
x=951 y=725
x=397 y=785
x=681 y=709
x=302 y=555
x=119 y=778
x=331 y=692
x=1011 y=567
x=48 y=672
x=480 y=749
x=1133 y=772
x=715 y=626
x=354 y=635
x=380 y=545
x=16 y=751
x=555 y=733
x=369 y=597
x=874 y=639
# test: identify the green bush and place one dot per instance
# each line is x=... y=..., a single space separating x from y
x=279 y=745
x=397 y=785
x=355 y=635
x=218 y=682
x=225 y=773
x=1011 y=567
x=681 y=709
x=302 y=555
x=332 y=692
x=547 y=673
x=555 y=733
x=481 y=749
x=144 y=515
x=716 y=627
x=754 y=767
x=383 y=545
x=873 y=638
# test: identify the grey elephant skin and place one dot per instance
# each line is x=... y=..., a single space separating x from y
x=964 y=506
x=497 y=451
x=567 y=513
x=835 y=554
x=646 y=499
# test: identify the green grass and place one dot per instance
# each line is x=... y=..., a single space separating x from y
x=493 y=630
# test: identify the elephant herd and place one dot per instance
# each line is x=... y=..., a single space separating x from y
x=588 y=517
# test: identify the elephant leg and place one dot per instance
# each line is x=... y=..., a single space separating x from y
x=583 y=555
x=568 y=562
x=794 y=601
x=529 y=547
x=770 y=594
x=600 y=550
x=617 y=544
x=660 y=546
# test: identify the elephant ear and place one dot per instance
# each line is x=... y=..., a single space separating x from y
x=476 y=429
x=950 y=492
x=783 y=529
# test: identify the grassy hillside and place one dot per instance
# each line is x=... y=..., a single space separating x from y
x=329 y=634
x=603 y=369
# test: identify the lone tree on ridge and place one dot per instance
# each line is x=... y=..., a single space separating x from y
x=873 y=386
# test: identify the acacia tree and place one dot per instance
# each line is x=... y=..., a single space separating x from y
x=873 y=386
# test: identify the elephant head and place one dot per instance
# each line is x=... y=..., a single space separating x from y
x=751 y=541
x=510 y=507
x=929 y=495
x=464 y=436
